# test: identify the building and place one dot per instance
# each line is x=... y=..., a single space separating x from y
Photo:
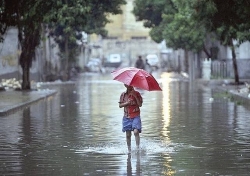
x=125 y=27
x=126 y=36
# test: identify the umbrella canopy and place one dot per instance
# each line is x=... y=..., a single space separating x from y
x=137 y=78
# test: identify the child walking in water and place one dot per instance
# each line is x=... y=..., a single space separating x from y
x=131 y=101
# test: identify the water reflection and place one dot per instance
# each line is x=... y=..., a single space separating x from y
x=135 y=167
x=78 y=132
x=166 y=105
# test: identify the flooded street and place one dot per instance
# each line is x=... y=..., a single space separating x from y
x=186 y=130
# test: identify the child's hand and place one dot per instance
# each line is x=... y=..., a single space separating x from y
x=133 y=93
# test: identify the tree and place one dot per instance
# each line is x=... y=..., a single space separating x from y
x=171 y=21
x=7 y=17
x=73 y=17
x=28 y=16
x=228 y=20
x=184 y=24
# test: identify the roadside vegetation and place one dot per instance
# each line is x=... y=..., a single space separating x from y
x=65 y=18
x=182 y=24
x=188 y=24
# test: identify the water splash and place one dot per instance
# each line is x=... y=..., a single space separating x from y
x=147 y=147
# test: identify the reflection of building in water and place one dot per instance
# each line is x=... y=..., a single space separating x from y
x=166 y=114
x=165 y=105
x=98 y=105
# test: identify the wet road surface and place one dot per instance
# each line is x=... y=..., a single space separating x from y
x=187 y=130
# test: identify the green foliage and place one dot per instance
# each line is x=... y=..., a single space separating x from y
x=226 y=18
x=182 y=32
x=87 y=15
x=171 y=21
x=149 y=11
x=184 y=24
x=27 y=16
x=156 y=33
x=224 y=95
x=75 y=16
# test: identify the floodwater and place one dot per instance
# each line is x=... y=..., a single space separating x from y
x=187 y=130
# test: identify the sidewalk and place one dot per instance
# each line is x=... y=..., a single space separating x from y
x=11 y=101
x=238 y=93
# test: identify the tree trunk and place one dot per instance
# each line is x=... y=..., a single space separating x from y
x=186 y=61
x=30 y=41
x=48 y=70
x=25 y=62
x=235 y=66
x=26 y=76
x=206 y=51
x=66 y=57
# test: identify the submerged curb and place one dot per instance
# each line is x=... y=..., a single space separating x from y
x=233 y=90
x=13 y=101
x=242 y=98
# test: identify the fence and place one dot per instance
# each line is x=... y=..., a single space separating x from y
x=224 y=68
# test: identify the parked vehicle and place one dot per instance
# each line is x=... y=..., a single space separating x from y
x=113 y=60
x=153 y=60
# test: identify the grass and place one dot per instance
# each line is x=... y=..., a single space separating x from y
x=227 y=95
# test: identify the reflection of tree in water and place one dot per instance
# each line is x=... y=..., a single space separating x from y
x=27 y=140
x=27 y=134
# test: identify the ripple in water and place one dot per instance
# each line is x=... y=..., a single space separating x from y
x=147 y=147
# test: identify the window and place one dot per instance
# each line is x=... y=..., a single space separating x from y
x=138 y=38
x=111 y=38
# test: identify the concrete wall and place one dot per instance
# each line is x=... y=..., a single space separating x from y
x=9 y=52
x=242 y=52
x=9 y=56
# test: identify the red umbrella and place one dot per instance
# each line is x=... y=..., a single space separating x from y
x=137 y=78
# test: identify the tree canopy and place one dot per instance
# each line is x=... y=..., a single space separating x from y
x=185 y=24
x=29 y=15
x=26 y=16
x=73 y=17
x=171 y=21
x=227 y=19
